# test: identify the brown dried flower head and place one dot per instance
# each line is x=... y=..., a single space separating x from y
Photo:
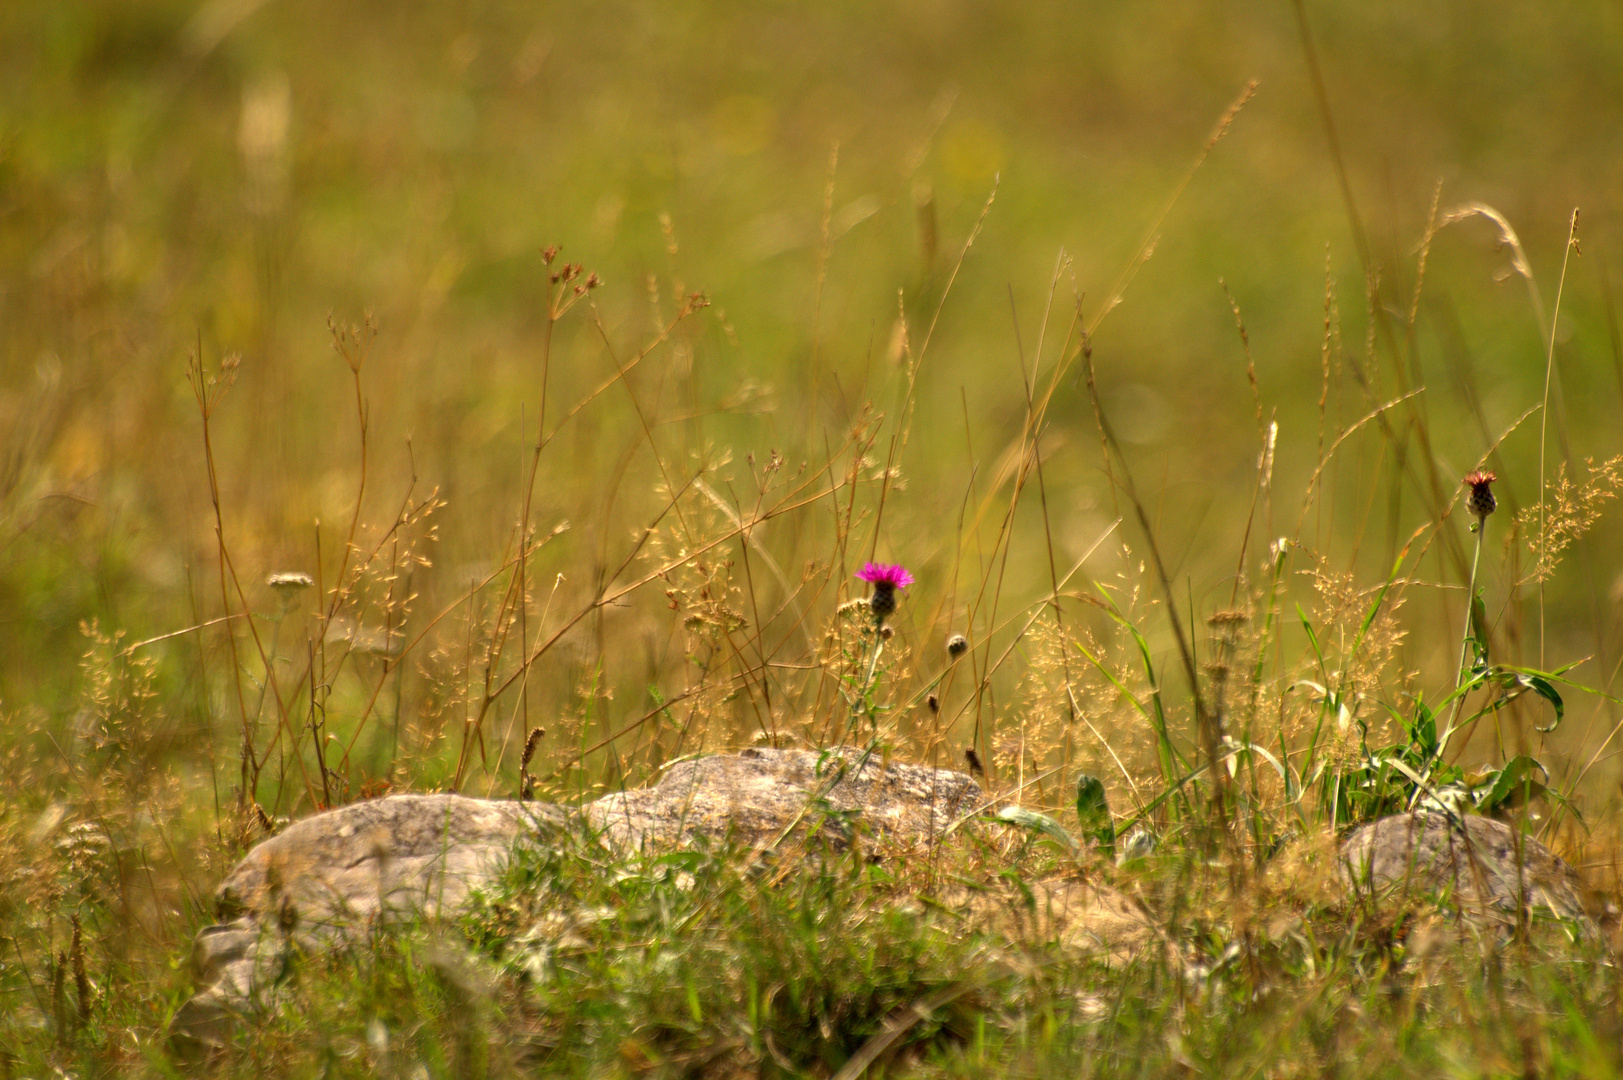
x=1481 y=500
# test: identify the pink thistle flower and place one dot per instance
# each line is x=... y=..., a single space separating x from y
x=885 y=579
x=881 y=576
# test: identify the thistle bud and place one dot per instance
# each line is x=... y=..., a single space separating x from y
x=1481 y=501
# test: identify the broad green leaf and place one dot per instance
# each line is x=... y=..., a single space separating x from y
x=1512 y=781
x=1093 y=812
x=1424 y=729
x=1544 y=689
x=1518 y=680
x=1030 y=819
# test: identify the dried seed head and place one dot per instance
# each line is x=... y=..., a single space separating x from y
x=851 y=608
x=531 y=744
x=934 y=703
x=957 y=645
x=288 y=586
x=887 y=632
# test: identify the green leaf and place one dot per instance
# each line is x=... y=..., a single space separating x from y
x=1093 y=812
x=695 y=1008
x=1512 y=781
x=1421 y=728
x=1312 y=638
x=1120 y=686
x=1167 y=753
x=1030 y=819
x=1237 y=748
x=1479 y=629
x=1544 y=689
x=1423 y=731
x=1516 y=681
x=1380 y=598
x=1414 y=777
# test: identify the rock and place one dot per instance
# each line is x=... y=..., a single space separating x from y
x=405 y=856
x=1474 y=863
x=1082 y=915
x=411 y=856
x=405 y=853
x=420 y=856
x=753 y=797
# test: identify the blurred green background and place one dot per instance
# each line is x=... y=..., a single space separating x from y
x=232 y=172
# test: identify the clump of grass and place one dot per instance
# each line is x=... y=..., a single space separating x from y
x=701 y=961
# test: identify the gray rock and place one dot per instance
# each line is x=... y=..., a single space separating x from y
x=404 y=854
x=754 y=797
x=315 y=885
x=419 y=856
x=1474 y=863
x=307 y=888
x=327 y=879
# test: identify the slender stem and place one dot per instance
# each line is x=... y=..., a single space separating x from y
x=1544 y=418
x=861 y=704
x=1465 y=638
x=1470 y=601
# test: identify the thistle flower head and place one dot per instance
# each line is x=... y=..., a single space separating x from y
x=885 y=579
x=1481 y=500
x=882 y=576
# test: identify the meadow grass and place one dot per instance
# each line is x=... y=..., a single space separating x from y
x=543 y=526
x=1229 y=746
